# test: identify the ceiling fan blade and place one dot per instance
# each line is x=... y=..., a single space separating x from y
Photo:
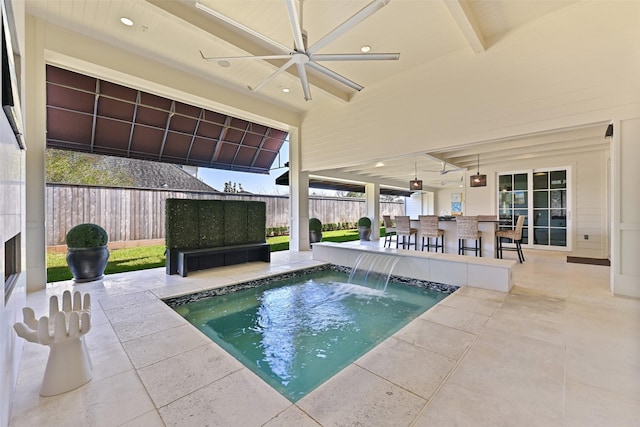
x=244 y=28
x=241 y=58
x=302 y=73
x=355 y=57
x=295 y=26
x=360 y=16
x=444 y=172
x=327 y=72
x=272 y=76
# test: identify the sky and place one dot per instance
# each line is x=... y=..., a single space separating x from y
x=251 y=182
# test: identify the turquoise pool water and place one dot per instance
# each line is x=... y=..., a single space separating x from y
x=297 y=333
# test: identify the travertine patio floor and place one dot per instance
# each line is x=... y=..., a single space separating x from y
x=559 y=350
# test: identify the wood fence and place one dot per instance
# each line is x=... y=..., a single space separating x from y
x=129 y=214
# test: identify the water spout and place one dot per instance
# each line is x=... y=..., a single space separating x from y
x=373 y=270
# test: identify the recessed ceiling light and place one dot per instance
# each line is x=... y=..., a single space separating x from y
x=224 y=63
x=286 y=90
x=379 y=164
x=126 y=21
x=365 y=49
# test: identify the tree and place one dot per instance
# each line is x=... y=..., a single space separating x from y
x=389 y=198
x=67 y=167
x=233 y=187
x=355 y=195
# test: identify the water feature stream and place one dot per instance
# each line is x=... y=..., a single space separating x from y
x=373 y=270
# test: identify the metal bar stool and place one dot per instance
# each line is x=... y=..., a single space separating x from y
x=403 y=228
x=429 y=229
x=515 y=235
x=389 y=230
x=467 y=227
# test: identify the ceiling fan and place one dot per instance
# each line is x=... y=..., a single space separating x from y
x=302 y=55
x=445 y=171
x=456 y=181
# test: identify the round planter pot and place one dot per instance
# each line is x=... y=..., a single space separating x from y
x=315 y=236
x=87 y=264
x=364 y=232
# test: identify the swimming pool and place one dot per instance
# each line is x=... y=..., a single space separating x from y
x=297 y=332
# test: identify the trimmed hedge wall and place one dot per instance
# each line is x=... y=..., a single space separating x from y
x=193 y=224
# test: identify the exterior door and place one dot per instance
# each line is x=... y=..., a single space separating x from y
x=543 y=196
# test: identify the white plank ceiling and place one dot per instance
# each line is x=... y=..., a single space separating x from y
x=173 y=32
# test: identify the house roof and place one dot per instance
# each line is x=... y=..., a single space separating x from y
x=118 y=171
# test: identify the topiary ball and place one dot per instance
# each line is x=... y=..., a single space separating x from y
x=364 y=222
x=86 y=236
x=315 y=224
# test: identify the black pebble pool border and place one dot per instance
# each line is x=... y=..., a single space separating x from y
x=185 y=299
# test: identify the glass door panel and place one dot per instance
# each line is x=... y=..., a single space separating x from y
x=541 y=195
x=550 y=207
x=520 y=181
x=558 y=179
x=540 y=181
x=513 y=199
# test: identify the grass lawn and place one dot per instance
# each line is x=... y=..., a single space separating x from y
x=120 y=260
x=143 y=257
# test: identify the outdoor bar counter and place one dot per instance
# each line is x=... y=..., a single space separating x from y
x=448 y=225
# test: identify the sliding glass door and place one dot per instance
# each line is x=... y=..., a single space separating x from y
x=550 y=208
x=513 y=197
x=543 y=196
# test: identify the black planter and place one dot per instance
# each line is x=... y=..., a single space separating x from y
x=87 y=264
x=364 y=232
x=315 y=236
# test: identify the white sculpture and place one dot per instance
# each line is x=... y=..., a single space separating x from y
x=69 y=365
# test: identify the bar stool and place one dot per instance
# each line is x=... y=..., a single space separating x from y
x=429 y=229
x=467 y=227
x=403 y=228
x=515 y=235
x=389 y=230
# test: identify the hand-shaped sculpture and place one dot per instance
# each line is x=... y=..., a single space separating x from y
x=69 y=365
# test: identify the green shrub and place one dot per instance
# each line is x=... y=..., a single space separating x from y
x=195 y=223
x=364 y=222
x=181 y=224
x=256 y=221
x=315 y=224
x=86 y=236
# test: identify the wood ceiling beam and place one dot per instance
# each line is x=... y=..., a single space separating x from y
x=466 y=21
x=533 y=154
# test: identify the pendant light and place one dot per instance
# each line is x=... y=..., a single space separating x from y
x=415 y=184
x=478 y=180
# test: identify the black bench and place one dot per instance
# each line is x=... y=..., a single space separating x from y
x=181 y=261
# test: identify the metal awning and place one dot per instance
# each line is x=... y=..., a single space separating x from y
x=324 y=184
x=96 y=116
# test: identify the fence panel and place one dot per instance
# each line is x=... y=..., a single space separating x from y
x=138 y=214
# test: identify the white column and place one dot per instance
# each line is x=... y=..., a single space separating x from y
x=298 y=197
x=372 y=208
x=625 y=244
x=35 y=136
